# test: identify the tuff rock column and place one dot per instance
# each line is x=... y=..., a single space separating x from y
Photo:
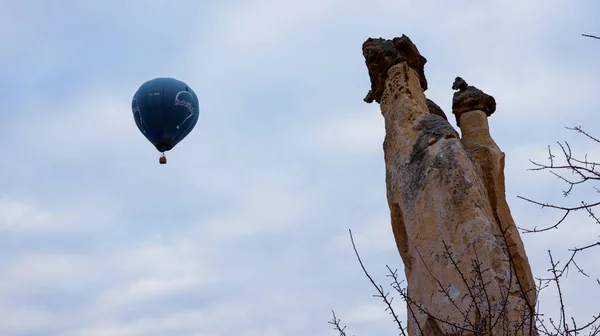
x=472 y=107
x=438 y=204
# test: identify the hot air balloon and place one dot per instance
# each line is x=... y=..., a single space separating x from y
x=165 y=110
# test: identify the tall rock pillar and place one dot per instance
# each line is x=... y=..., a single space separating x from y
x=444 y=223
x=471 y=108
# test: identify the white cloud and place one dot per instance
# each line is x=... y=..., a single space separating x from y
x=372 y=313
x=371 y=236
x=28 y=215
x=38 y=270
x=180 y=323
x=94 y=122
x=353 y=133
x=271 y=204
x=21 y=215
x=524 y=96
x=18 y=320
x=252 y=25
x=140 y=292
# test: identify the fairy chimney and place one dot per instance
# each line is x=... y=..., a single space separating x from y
x=472 y=107
x=465 y=264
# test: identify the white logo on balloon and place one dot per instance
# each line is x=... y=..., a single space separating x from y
x=187 y=104
x=136 y=109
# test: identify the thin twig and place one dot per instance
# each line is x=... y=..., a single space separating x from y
x=382 y=295
x=336 y=325
x=592 y=36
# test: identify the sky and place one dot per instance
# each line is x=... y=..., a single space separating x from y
x=245 y=230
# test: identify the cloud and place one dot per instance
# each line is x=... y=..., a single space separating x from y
x=252 y=25
x=21 y=215
x=371 y=237
x=344 y=134
x=28 y=320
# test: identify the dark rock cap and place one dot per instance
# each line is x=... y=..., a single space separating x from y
x=381 y=54
x=469 y=98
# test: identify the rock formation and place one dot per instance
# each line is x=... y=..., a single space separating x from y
x=472 y=107
x=465 y=264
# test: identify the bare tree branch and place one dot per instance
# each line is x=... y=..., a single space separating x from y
x=336 y=325
x=379 y=288
x=592 y=36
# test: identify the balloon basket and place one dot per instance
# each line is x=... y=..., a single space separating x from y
x=162 y=159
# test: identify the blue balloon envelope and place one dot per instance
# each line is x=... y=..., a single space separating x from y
x=165 y=110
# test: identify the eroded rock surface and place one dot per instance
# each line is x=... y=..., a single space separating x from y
x=438 y=200
x=381 y=54
x=435 y=109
